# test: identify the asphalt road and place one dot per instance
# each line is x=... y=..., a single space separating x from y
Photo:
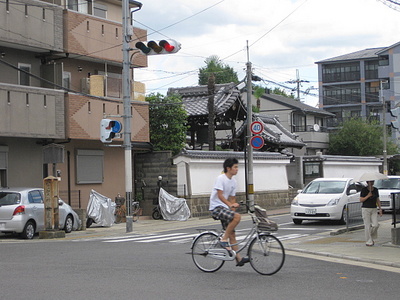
x=157 y=267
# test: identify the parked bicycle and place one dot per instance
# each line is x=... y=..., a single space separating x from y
x=135 y=211
x=265 y=251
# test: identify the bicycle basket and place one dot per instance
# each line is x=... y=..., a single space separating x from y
x=263 y=223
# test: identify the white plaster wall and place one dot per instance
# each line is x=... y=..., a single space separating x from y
x=348 y=169
x=267 y=174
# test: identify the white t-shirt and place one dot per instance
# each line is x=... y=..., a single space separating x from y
x=222 y=183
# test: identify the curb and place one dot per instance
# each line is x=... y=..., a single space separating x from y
x=349 y=258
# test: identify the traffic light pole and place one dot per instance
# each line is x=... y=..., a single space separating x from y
x=126 y=91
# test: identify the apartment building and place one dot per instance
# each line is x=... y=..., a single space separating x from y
x=357 y=84
x=60 y=74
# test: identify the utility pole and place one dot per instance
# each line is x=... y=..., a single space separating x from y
x=298 y=82
x=211 y=112
x=250 y=182
x=126 y=91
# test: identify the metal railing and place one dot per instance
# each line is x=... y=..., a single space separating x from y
x=395 y=208
x=353 y=214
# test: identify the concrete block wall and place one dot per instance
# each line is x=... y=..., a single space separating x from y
x=148 y=167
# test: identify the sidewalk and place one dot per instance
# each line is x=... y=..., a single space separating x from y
x=334 y=244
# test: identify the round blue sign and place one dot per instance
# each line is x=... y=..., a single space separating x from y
x=257 y=142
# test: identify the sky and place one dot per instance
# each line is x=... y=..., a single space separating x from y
x=284 y=37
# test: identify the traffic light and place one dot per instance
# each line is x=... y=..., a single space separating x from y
x=158 y=47
x=109 y=129
x=395 y=112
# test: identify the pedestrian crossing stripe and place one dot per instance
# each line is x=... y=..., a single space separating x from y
x=179 y=238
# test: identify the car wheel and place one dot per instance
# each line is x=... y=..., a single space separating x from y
x=69 y=224
x=297 y=221
x=29 y=230
x=343 y=219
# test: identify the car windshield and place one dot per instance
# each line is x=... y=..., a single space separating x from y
x=325 y=187
x=9 y=198
x=388 y=184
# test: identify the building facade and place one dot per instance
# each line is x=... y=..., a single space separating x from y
x=60 y=74
x=362 y=84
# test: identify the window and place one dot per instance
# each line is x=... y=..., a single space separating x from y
x=384 y=60
x=371 y=69
x=100 y=10
x=341 y=72
x=342 y=94
x=23 y=75
x=89 y=166
x=81 y=6
x=67 y=80
x=35 y=197
x=372 y=91
x=299 y=123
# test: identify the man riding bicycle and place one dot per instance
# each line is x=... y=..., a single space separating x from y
x=223 y=207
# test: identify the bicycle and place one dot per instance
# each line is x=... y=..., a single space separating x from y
x=265 y=251
x=135 y=211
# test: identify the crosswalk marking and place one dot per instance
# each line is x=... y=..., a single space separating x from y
x=178 y=237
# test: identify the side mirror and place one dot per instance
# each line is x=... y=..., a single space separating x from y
x=352 y=192
x=299 y=191
x=60 y=202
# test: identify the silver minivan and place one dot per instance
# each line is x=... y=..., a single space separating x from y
x=22 y=211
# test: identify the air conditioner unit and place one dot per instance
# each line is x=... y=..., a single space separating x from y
x=85 y=85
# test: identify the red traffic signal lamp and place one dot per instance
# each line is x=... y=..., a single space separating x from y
x=109 y=129
x=158 y=47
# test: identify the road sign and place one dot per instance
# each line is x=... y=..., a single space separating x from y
x=256 y=127
x=257 y=142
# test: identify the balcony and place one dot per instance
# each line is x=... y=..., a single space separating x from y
x=85 y=114
x=38 y=26
x=31 y=112
x=94 y=38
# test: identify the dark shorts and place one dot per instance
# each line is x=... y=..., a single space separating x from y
x=225 y=215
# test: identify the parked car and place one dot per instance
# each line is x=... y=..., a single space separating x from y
x=22 y=211
x=386 y=187
x=325 y=199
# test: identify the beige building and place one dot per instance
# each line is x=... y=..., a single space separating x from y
x=60 y=74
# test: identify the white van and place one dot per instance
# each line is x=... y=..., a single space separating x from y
x=325 y=199
x=386 y=187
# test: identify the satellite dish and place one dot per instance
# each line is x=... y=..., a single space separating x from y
x=316 y=127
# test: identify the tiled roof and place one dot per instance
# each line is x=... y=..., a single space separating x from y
x=274 y=133
x=358 y=55
x=195 y=99
x=225 y=154
x=295 y=104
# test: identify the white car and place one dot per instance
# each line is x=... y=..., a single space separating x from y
x=386 y=187
x=22 y=211
x=325 y=199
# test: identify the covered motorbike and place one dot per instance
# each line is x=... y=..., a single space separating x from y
x=100 y=210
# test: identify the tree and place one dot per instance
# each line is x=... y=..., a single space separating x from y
x=167 y=122
x=223 y=73
x=359 y=138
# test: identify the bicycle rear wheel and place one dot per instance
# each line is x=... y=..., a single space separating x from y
x=200 y=248
x=266 y=254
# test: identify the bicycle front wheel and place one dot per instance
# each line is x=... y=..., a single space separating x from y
x=266 y=254
x=201 y=246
